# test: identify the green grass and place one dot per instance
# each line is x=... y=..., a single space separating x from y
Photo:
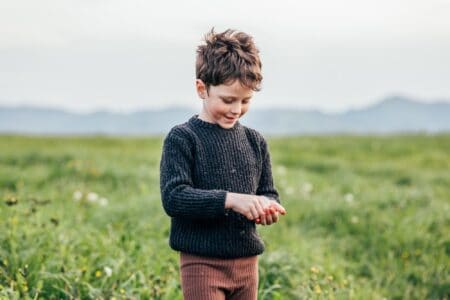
x=368 y=218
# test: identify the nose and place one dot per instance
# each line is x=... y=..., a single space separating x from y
x=236 y=108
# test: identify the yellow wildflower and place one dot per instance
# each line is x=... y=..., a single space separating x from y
x=317 y=289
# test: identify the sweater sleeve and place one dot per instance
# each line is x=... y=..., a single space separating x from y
x=179 y=197
x=266 y=186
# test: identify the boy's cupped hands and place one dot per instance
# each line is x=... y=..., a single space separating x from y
x=260 y=209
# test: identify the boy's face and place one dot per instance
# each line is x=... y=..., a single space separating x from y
x=224 y=104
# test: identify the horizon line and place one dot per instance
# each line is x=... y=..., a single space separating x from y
x=94 y=110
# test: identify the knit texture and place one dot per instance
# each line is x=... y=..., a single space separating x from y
x=200 y=163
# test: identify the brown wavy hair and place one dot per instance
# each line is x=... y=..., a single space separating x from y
x=228 y=56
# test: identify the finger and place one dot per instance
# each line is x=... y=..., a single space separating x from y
x=263 y=220
x=269 y=219
x=278 y=207
x=254 y=213
x=250 y=214
x=275 y=217
x=259 y=207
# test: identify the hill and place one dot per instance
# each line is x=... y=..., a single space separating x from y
x=391 y=115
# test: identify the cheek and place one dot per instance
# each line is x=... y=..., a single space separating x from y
x=222 y=109
x=214 y=105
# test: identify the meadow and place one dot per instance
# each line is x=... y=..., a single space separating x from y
x=368 y=218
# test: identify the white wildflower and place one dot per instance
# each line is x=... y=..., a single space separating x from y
x=349 y=197
x=307 y=188
x=108 y=271
x=62 y=238
x=354 y=219
x=281 y=170
x=289 y=190
x=103 y=201
x=77 y=195
x=92 y=197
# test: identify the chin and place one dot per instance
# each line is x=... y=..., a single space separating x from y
x=227 y=125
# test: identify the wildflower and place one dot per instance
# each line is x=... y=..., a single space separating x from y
x=108 y=271
x=92 y=197
x=314 y=270
x=103 y=201
x=77 y=195
x=289 y=190
x=349 y=197
x=317 y=289
x=307 y=188
x=98 y=273
x=63 y=238
x=281 y=170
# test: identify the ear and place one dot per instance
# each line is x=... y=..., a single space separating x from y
x=200 y=86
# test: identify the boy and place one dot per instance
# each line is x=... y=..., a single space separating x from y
x=216 y=180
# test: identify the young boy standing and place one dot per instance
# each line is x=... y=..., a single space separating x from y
x=216 y=180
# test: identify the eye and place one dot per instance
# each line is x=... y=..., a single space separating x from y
x=227 y=101
x=245 y=101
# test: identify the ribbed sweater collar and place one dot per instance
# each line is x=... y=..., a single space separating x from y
x=196 y=121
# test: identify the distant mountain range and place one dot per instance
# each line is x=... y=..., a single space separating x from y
x=392 y=115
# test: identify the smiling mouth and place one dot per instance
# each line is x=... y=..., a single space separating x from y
x=230 y=119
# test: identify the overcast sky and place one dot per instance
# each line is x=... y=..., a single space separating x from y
x=128 y=55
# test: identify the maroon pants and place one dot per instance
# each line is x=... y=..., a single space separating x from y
x=206 y=278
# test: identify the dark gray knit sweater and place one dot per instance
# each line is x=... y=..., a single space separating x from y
x=200 y=163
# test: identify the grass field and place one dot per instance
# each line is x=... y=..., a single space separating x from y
x=368 y=218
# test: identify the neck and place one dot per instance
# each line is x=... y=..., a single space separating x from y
x=204 y=116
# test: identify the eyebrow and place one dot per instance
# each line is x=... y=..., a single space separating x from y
x=234 y=98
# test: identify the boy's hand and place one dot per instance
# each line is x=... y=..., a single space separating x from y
x=247 y=205
x=272 y=210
